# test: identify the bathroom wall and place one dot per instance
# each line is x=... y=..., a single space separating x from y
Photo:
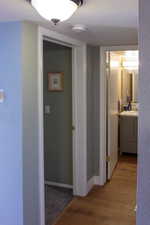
x=135 y=85
x=58 y=124
x=127 y=78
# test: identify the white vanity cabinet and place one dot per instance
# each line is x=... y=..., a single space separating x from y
x=128 y=132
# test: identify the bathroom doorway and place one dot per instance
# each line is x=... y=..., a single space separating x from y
x=119 y=123
x=122 y=106
x=118 y=103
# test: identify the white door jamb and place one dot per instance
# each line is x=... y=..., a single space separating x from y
x=79 y=114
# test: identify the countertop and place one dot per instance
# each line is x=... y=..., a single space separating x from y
x=129 y=113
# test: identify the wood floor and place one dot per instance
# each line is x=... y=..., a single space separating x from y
x=112 y=204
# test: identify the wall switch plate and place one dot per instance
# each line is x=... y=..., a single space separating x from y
x=47 y=109
x=2 y=96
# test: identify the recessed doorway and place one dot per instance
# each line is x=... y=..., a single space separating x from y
x=58 y=128
x=79 y=135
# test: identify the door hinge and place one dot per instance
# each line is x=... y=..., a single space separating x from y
x=107 y=65
x=108 y=159
x=73 y=128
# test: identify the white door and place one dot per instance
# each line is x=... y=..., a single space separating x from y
x=113 y=76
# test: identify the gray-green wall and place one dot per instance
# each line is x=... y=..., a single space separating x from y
x=93 y=112
x=58 y=124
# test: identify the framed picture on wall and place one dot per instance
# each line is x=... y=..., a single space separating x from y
x=56 y=81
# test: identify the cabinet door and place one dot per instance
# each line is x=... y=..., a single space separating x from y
x=128 y=134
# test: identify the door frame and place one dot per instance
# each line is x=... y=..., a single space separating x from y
x=103 y=106
x=79 y=99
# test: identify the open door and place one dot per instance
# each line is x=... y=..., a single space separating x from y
x=113 y=75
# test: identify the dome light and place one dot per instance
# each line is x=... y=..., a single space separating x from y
x=56 y=10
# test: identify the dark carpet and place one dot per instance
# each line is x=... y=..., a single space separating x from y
x=56 y=199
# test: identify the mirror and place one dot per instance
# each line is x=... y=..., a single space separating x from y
x=129 y=85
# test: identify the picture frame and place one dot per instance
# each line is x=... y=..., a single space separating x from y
x=55 y=81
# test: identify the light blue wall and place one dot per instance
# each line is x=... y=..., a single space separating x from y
x=11 y=125
x=19 y=194
x=143 y=215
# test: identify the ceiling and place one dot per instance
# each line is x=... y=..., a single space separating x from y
x=109 y=22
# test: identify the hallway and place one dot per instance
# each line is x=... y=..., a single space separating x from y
x=112 y=204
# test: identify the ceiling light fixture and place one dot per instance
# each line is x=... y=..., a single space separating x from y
x=56 y=10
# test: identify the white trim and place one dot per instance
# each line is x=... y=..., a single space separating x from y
x=102 y=119
x=103 y=103
x=55 y=184
x=79 y=114
x=80 y=120
x=95 y=180
x=90 y=184
x=57 y=37
x=41 y=131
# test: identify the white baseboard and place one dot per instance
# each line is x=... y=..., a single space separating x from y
x=58 y=184
x=95 y=180
x=90 y=184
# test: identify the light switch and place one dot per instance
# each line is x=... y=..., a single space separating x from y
x=47 y=109
x=2 y=96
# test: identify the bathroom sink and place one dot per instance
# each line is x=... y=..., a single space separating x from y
x=129 y=113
